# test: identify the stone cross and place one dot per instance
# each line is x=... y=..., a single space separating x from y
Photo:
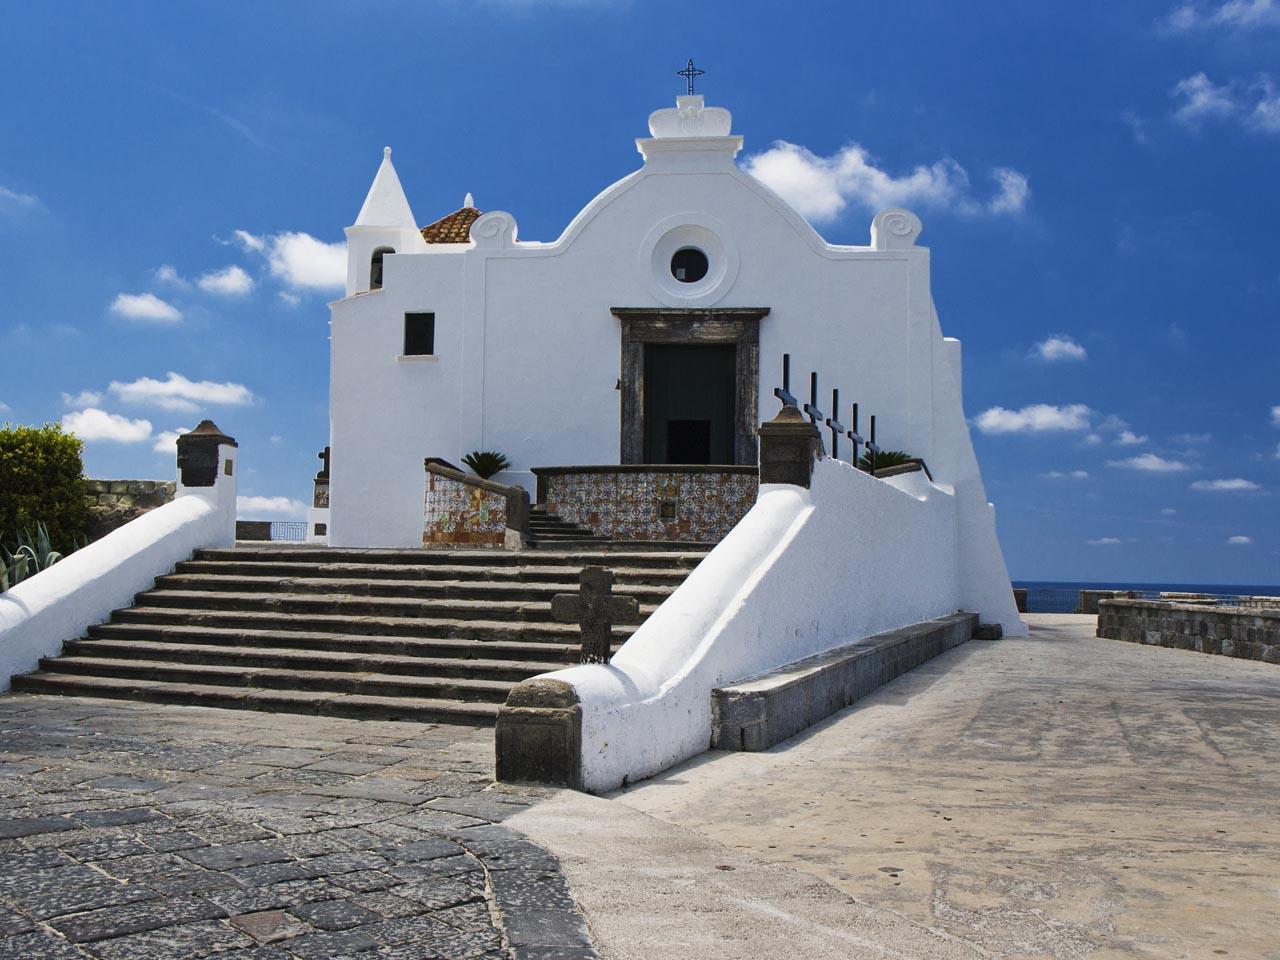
x=689 y=73
x=783 y=393
x=854 y=436
x=596 y=610
x=811 y=408
x=837 y=428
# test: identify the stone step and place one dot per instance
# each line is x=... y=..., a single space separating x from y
x=464 y=650
x=425 y=628
x=270 y=678
x=564 y=574
x=255 y=698
x=630 y=555
x=476 y=590
x=527 y=611
x=283 y=657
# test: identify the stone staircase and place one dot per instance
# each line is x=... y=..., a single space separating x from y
x=547 y=529
x=426 y=635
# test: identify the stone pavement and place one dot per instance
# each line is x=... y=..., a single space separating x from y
x=1058 y=797
x=134 y=831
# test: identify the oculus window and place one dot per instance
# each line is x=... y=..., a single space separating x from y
x=419 y=334
x=689 y=265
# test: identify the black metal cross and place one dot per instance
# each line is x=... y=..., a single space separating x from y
x=596 y=610
x=689 y=73
x=837 y=428
x=872 y=449
x=811 y=408
x=854 y=436
x=783 y=393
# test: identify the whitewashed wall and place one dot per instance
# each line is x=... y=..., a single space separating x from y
x=39 y=614
x=805 y=570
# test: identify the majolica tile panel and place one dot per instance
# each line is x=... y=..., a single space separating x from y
x=458 y=513
x=654 y=505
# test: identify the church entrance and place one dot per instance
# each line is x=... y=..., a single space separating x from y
x=690 y=384
x=689 y=403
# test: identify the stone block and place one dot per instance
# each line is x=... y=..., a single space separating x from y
x=538 y=735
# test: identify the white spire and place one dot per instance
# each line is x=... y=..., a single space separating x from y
x=468 y=201
x=386 y=205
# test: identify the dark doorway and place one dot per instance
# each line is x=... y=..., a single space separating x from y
x=689 y=403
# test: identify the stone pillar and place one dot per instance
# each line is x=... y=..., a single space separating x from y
x=207 y=460
x=789 y=447
x=538 y=737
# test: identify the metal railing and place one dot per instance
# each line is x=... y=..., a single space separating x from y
x=289 y=530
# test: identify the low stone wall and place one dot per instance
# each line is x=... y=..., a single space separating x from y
x=461 y=510
x=111 y=504
x=1089 y=599
x=1250 y=633
x=646 y=502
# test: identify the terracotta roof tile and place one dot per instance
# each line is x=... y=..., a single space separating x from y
x=455 y=228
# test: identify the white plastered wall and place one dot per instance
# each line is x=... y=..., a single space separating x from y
x=804 y=571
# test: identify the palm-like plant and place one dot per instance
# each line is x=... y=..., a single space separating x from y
x=885 y=458
x=485 y=463
x=34 y=553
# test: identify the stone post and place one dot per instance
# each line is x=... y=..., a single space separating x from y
x=789 y=447
x=207 y=468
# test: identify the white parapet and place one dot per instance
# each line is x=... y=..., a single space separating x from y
x=62 y=601
x=804 y=571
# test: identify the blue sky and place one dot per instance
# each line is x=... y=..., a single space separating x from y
x=1097 y=183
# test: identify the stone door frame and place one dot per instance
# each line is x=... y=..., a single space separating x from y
x=739 y=326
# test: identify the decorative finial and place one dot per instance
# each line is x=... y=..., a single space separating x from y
x=689 y=73
x=469 y=201
x=386 y=153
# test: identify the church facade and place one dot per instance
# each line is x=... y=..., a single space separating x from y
x=651 y=331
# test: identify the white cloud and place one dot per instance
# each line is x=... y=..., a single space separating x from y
x=1092 y=440
x=1012 y=191
x=1277 y=453
x=1231 y=15
x=819 y=188
x=299 y=259
x=1240 y=541
x=1066 y=475
x=1169 y=512
x=1128 y=438
x=1275 y=416
x=1103 y=542
x=1150 y=463
x=1219 y=486
x=1255 y=104
x=145 y=306
x=167 y=442
x=12 y=201
x=229 y=282
x=292 y=299
x=276 y=438
x=1202 y=100
x=1059 y=347
x=85 y=398
x=1193 y=438
x=94 y=424
x=176 y=392
x=168 y=274
x=277 y=505
x=4 y=407
x=1036 y=418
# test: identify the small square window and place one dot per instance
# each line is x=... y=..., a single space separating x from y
x=419 y=334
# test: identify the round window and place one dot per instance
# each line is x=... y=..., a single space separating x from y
x=689 y=265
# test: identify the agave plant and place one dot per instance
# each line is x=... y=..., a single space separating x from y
x=34 y=553
x=485 y=463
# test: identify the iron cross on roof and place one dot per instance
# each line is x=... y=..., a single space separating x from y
x=689 y=73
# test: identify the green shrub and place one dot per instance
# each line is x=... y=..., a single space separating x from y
x=485 y=463
x=41 y=483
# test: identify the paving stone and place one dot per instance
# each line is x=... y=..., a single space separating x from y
x=531 y=890
x=125 y=784
x=440 y=892
x=45 y=898
x=267 y=873
x=116 y=818
x=13 y=861
x=229 y=856
x=173 y=840
x=169 y=943
x=274 y=896
x=329 y=944
x=12 y=922
x=334 y=914
x=521 y=952
x=546 y=928
x=39 y=946
x=135 y=918
x=34 y=825
x=430 y=869
x=348 y=861
x=270 y=926
x=366 y=881
x=484 y=808
x=113 y=848
x=388 y=905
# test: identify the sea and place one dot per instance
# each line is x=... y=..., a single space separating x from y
x=1046 y=596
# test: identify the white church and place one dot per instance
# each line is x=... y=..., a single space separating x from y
x=651 y=331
